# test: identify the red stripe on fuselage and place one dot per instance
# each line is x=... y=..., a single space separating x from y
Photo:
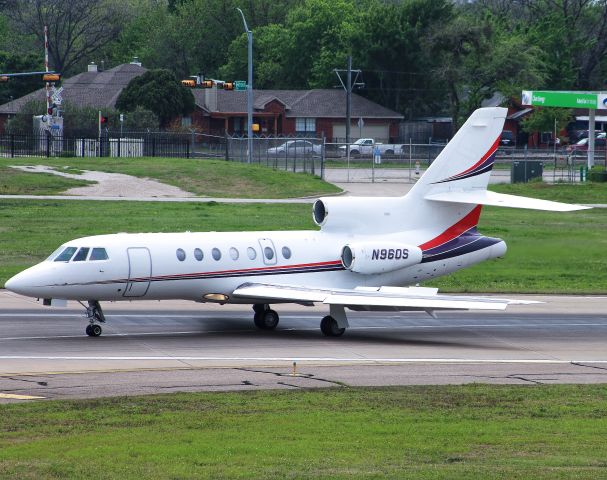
x=255 y=269
x=454 y=231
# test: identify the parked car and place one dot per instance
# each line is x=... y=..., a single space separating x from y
x=600 y=143
x=507 y=139
x=296 y=148
x=366 y=146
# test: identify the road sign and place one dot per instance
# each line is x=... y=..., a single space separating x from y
x=564 y=99
x=240 y=85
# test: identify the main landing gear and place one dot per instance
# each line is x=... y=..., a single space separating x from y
x=95 y=316
x=333 y=325
x=265 y=318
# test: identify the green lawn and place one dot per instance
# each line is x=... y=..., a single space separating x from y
x=203 y=177
x=547 y=252
x=30 y=230
x=16 y=182
x=473 y=431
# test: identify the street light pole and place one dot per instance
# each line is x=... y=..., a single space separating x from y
x=249 y=90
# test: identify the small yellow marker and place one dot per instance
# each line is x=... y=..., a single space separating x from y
x=294 y=369
x=19 y=397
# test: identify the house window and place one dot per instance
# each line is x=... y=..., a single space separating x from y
x=186 y=121
x=238 y=125
x=305 y=126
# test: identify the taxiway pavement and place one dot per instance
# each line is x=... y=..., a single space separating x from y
x=153 y=347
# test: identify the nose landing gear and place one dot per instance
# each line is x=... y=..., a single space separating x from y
x=95 y=315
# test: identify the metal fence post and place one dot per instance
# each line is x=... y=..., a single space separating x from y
x=12 y=145
x=48 y=145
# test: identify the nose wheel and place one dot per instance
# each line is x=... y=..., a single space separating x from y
x=93 y=330
x=95 y=316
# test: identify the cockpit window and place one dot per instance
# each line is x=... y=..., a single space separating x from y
x=66 y=255
x=81 y=255
x=98 y=254
x=52 y=256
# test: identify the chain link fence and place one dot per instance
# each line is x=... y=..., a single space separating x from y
x=408 y=161
x=294 y=154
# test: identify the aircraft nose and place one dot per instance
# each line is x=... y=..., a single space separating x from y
x=20 y=283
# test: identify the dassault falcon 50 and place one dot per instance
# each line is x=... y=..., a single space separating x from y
x=368 y=254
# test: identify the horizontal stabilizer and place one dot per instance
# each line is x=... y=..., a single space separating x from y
x=485 y=197
x=398 y=298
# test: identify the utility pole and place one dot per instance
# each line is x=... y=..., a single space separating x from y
x=249 y=90
x=348 y=85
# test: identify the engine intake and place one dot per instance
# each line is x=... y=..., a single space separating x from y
x=370 y=258
x=356 y=214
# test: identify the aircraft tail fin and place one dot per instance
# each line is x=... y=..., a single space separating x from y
x=466 y=161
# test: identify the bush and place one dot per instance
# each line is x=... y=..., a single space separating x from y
x=597 y=174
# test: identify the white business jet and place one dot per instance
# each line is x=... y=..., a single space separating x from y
x=366 y=253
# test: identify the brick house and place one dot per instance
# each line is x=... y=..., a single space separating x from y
x=293 y=112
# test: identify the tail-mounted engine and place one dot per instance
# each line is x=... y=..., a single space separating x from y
x=357 y=214
x=379 y=257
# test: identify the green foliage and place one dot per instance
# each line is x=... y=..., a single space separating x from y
x=418 y=57
x=597 y=174
x=18 y=63
x=543 y=120
x=157 y=91
x=82 y=119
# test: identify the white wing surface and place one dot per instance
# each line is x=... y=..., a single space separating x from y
x=486 y=197
x=370 y=298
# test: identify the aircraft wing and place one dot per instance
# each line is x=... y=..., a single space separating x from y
x=372 y=298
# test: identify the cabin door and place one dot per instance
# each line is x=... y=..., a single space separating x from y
x=140 y=271
x=268 y=252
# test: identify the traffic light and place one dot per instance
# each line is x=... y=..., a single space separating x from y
x=228 y=86
x=206 y=84
x=4 y=78
x=190 y=83
x=104 y=119
x=51 y=77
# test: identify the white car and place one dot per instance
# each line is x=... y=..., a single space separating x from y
x=295 y=148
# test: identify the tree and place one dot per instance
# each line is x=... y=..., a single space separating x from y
x=573 y=34
x=18 y=87
x=389 y=45
x=478 y=57
x=77 y=29
x=547 y=120
x=157 y=91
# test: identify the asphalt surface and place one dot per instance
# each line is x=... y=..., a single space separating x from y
x=155 y=347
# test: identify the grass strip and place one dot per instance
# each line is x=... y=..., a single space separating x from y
x=424 y=432
x=16 y=182
x=547 y=252
x=30 y=230
x=203 y=177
